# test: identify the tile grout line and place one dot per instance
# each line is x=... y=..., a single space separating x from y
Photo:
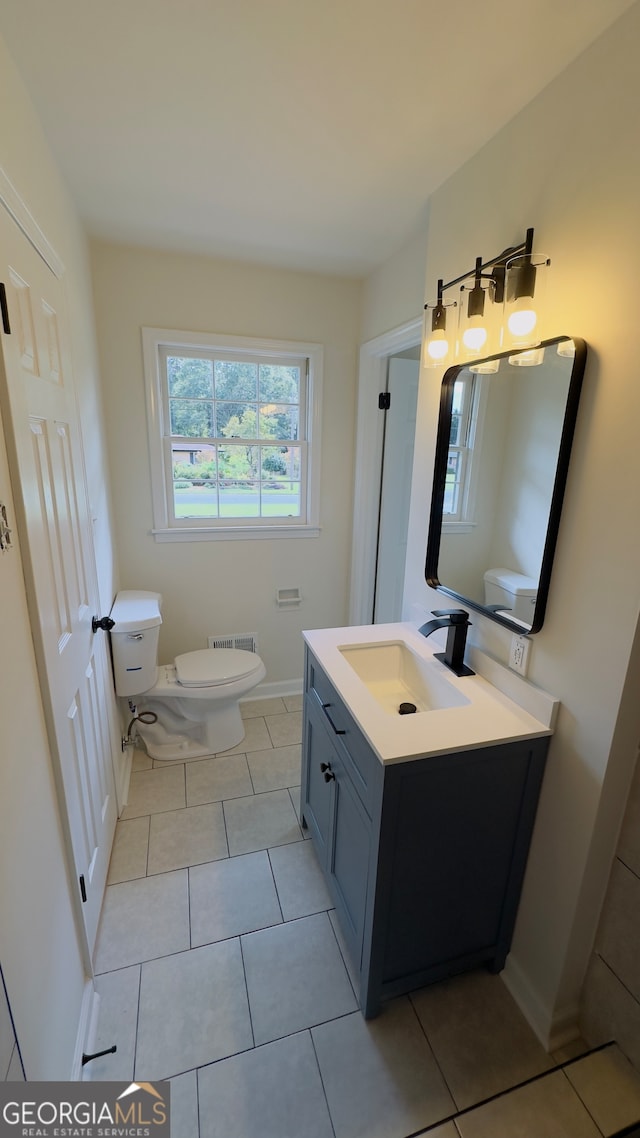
x=189 y=868
x=324 y=1091
x=579 y=1097
x=432 y=1050
x=246 y=988
x=342 y=957
x=253 y=785
x=135 y=1041
x=616 y=977
x=560 y=1067
x=275 y=883
x=198 y=1101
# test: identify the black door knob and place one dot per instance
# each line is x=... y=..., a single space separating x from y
x=105 y=623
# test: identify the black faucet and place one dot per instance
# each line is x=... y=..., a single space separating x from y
x=457 y=621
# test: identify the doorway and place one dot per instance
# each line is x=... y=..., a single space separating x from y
x=368 y=485
x=403 y=373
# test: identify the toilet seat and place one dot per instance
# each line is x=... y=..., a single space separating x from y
x=212 y=667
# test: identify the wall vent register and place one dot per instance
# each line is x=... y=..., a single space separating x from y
x=247 y=641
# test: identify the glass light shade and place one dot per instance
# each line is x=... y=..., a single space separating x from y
x=486 y=367
x=439 y=333
x=567 y=348
x=532 y=358
x=477 y=323
x=525 y=286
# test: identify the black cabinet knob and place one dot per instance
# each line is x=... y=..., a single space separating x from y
x=328 y=775
x=325 y=766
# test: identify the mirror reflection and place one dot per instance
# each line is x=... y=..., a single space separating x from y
x=504 y=437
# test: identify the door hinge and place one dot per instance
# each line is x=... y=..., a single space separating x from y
x=4 y=308
x=384 y=400
x=83 y=888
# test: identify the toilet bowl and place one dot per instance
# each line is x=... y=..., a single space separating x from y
x=195 y=699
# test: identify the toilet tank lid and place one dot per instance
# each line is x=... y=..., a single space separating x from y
x=134 y=609
x=517 y=583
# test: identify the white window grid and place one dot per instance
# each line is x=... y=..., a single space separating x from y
x=158 y=344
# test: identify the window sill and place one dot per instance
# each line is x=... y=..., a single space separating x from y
x=235 y=533
x=458 y=527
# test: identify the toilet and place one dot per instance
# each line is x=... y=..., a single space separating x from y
x=195 y=698
x=515 y=593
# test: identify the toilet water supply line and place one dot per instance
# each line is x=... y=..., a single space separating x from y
x=144 y=717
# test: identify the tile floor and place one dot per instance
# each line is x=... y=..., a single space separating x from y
x=220 y=967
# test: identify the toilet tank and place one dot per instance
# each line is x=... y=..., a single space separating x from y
x=134 y=641
x=515 y=591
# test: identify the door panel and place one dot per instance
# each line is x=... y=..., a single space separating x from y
x=49 y=484
x=397 y=468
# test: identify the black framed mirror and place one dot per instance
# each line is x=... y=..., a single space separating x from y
x=505 y=430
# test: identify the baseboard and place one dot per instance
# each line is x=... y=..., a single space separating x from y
x=274 y=689
x=125 y=779
x=87 y=1027
x=553 y=1029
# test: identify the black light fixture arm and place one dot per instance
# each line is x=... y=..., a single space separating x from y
x=439 y=318
x=497 y=265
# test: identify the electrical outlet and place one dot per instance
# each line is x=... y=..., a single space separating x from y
x=519 y=654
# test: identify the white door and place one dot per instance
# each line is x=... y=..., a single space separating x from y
x=49 y=486
x=397 y=466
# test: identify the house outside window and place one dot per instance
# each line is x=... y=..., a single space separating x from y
x=234 y=428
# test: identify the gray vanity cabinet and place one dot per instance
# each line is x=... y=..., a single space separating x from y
x=340 y=827
x=423 y=859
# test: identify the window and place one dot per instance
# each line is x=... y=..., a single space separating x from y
x=234 y=435
x=459 y=493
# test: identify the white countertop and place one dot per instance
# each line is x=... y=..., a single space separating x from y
x=488 y=718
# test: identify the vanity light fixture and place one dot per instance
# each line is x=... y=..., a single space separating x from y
x=500 y=302
x=476 y=312
x=524 y=288
x=438 y=340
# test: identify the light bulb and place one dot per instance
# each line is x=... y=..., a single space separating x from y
x=523 y=321
x=474 y=336
x=438 y=345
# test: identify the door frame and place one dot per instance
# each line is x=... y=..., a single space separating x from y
x=24 y=219
x=372 y=378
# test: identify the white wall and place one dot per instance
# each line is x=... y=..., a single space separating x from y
x=394 y=293
x=39 y=945
x=228 y=586
x=568 y=165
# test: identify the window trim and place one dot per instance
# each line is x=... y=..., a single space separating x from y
x=466 y=521
x=163 y=530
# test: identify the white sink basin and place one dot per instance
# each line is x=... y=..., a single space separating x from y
x=394 y=674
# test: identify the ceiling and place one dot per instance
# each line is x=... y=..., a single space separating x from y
x=291 y=132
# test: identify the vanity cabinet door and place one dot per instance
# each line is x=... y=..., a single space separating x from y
x=339 y=825
x=317 y=792
x=349 y=860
